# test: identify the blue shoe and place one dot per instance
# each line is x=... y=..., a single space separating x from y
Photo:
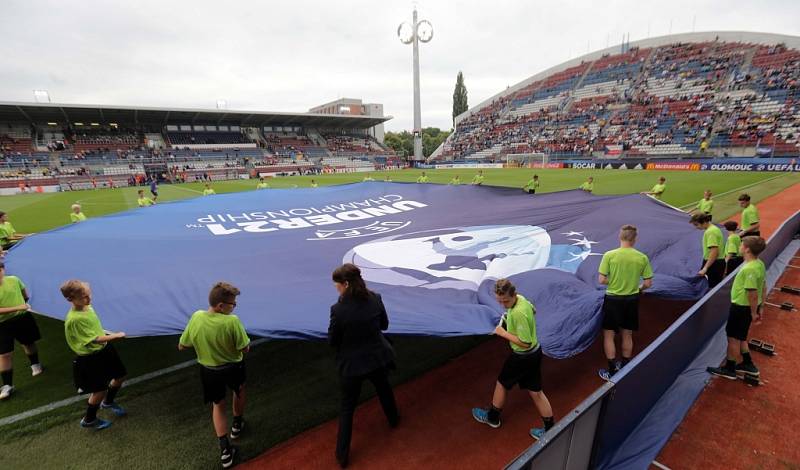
x=114 y=407
x=97 y=424
x=537 y=433
x=481 y=415
x=605 y=374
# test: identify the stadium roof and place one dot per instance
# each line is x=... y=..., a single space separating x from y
x=43 y=113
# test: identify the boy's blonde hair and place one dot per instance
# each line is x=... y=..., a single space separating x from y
x=628 y=233
x=74 y=206
x=72 y=289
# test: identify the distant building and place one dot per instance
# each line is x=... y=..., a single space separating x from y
x=354 y=107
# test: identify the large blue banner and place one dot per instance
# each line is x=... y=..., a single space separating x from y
x=432 y=251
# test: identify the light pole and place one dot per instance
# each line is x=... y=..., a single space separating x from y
x=414 y=33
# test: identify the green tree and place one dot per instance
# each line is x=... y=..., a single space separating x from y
x=403 y=142
x=459 y=97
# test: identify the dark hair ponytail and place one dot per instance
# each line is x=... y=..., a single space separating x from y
x=700 y=219
x=350 y=274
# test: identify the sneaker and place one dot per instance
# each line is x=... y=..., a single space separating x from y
x=605 y=374
x=481 y=415
x=97 y=424
x=6 y=391
x=537 y=433
x=226 y=457
x=114 y=407
x=237 y=429
x=749 y=369
x=618 y=366
x=36 y=369
x=722 y=372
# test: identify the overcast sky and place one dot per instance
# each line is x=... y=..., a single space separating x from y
x=292 y=55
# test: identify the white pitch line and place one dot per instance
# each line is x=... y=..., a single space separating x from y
x=737 y=189
x=661 y=466
x=68 y=401
x=184 y=189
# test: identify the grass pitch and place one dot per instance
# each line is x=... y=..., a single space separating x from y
x=292 y=384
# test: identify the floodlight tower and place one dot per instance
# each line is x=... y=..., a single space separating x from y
x=414 y=33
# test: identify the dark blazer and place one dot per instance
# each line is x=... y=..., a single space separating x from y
x=355 y=332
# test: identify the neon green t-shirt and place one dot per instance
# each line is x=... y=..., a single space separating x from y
x=145 y=202
x=11 y=296
x=521 y=323
x=749 y=216
x=531 y=184
x=705 y=205
x=478 y=179
x=368 y=178
x=733 y=244
x=624 y=267
x=6 y=232
x=455 y=181
x=262 y=186
x=79 y=217
x=587 y=186
x=81 y=328
x=217 y=338
x=750 y=276
x=422 y=179
x=712 y=237
x=658 y=190
x=208 y=192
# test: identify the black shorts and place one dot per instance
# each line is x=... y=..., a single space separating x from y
x=733 y=263
x=216 y=381
x=154 y=193
x=22 y=328
x=93 y=372
x=715 y=273
x=524 y=370
x=621 y=312
x=531 y=191
x=739 y=319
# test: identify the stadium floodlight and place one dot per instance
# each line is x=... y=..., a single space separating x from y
x=222 y=104
x=41 y=96
x=414 y=33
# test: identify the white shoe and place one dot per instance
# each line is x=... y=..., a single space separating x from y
x=5 y=391
x=36 y=369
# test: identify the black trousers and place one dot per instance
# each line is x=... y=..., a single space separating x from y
x=351 y=389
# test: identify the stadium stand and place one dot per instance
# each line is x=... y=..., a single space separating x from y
x=678 y=99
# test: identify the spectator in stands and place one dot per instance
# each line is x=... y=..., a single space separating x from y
x=16 y=324
x=622 y=270
x=357 y=322
x=658 y=189
x=142 y=200
x=523 y=365
x=220 y=341
x=532 y=185
x=705 y=205
x=94 y=183
x=262 y=184
x=76 y=215
x=713 y=265
x=97 y=368
x=748 y=293
x=588 y=185
x=423 y=178
x=455 y=181
x=208 y=191
x=314 y=184
x=8 y=234
x=733 y=256
x=477 y=180
x=751 y=225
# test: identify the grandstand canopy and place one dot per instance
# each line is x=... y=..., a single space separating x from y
x=43 y=113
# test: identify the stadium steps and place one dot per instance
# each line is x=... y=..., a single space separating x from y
x=567 y=103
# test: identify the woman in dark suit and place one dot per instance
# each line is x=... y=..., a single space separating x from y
x=358 y=320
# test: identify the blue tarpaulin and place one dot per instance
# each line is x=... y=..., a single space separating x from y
x=432 y=251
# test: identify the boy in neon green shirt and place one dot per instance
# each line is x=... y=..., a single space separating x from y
x=220 y=341
x=455 y=181
x=8 y=234
x=97 y=368
x=478 y=179
x=751 y=222
x=262 y=184
x=658 y=189
x=747 y=297
x=532 y=185
x=622 y=270
x=16 y=324
x=144 y=201
x=423 y=178
x=76 y=215
x=523 y=365
x=705 y=205
x=713 y=267
x=588 y=185
x=208 y=191
x=314 y=184
x=733 y=257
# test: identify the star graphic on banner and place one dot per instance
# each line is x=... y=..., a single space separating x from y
x=573 y=234
x=582 y=256
x=583 y=242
